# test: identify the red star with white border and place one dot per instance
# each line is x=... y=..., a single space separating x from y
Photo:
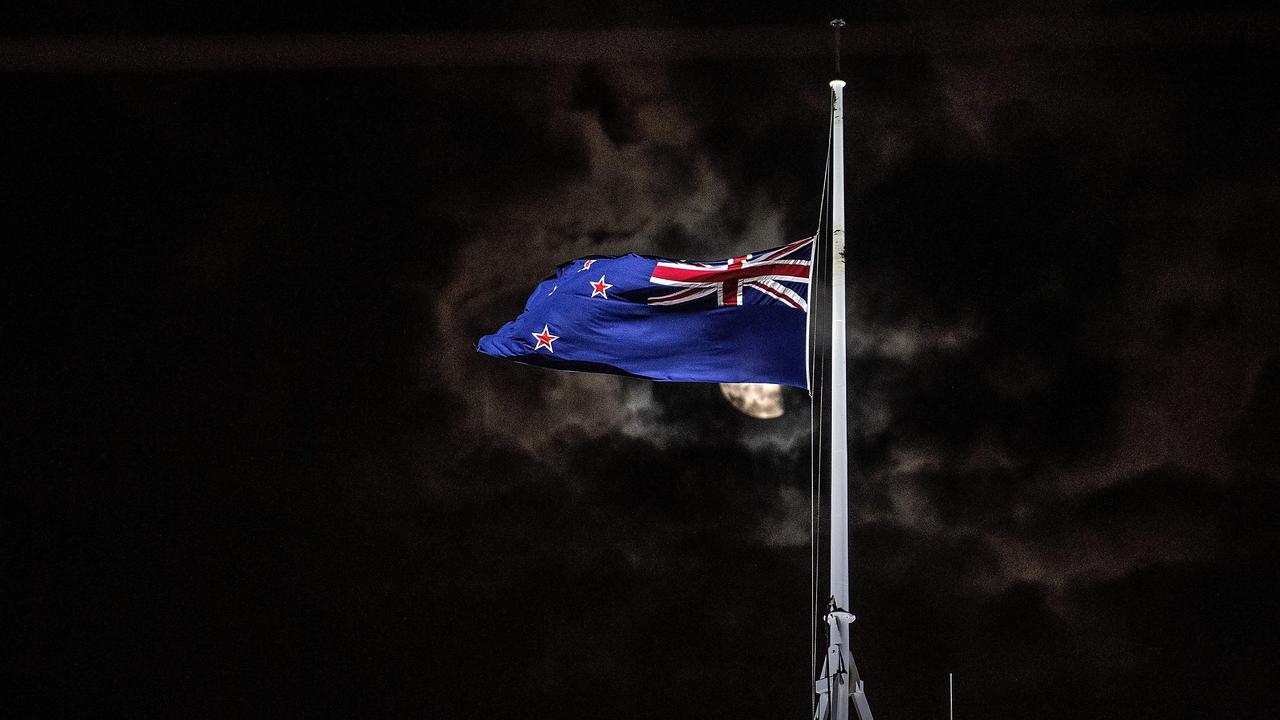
x=586 y=264
x=599 y=287
x=544 y=338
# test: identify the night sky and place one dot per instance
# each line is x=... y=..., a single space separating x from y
x=257 y=467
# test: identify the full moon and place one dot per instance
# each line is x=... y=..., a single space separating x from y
x=759 y=400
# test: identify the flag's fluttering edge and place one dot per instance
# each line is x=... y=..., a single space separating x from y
x=736 y=320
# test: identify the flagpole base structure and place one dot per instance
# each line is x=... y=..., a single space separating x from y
x=840 y=678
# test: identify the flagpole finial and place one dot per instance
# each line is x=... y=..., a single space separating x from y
x=836 y=25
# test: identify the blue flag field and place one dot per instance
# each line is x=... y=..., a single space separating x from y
x=736 y=320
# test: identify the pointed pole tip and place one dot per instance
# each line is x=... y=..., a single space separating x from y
x=836 y=25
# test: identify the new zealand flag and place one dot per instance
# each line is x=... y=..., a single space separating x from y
x=736 y=320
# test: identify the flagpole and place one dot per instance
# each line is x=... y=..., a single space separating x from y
x=840 y=681
x=838 y=617
x=839 y=424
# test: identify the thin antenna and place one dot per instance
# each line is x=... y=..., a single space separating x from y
x=951 y=696
x=837 y=24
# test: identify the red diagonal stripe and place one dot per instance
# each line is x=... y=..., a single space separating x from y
x=727 y=275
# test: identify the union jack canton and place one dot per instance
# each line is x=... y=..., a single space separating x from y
x=765 y=272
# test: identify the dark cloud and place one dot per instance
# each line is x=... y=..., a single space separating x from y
x=261 y=466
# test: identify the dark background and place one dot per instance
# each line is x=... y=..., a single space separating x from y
x=257 y=467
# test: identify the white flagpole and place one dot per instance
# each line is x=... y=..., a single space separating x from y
x=839 y=425
x=840 y=681
x=838 y=618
